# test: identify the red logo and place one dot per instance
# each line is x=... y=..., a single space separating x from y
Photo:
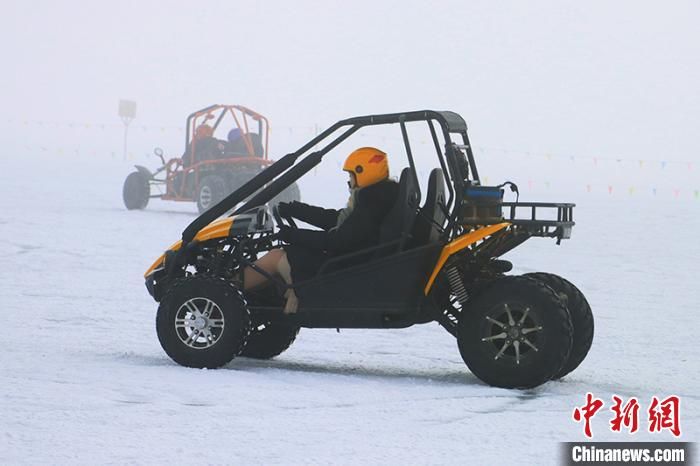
x=663 y=414
x=587 y=411
x=376 y=159
x=627 y=415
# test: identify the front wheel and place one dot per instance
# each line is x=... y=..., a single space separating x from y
x=516 y=333
x=136 y=191
x=202 y=322
x=212 y=189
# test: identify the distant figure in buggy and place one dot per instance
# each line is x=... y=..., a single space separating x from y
x=240 y=144
x=204 y=146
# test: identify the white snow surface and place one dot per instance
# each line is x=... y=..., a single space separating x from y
x=84 y=380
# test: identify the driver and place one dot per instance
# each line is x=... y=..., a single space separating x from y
x=202 y=146
x=357 y=226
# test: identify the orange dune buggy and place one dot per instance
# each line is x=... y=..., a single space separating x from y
x=210 y=168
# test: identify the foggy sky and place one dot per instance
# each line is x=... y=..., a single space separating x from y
x=611 y=78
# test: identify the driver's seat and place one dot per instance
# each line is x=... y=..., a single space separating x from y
x=398 y=223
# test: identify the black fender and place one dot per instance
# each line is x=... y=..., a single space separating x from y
x=144 y=171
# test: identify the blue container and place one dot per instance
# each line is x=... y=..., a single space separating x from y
x=481 y=205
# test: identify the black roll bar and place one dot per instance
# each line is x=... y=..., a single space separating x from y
x=294 y=174
x=450 y=122
x=441 y=158
x=409 y=154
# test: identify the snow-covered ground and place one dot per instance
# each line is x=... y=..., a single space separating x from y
x=84 y=380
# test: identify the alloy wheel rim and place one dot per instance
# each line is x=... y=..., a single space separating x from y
x=199 y=323
x=512 y=332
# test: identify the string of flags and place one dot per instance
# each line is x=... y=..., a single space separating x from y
x=601 y=162
x=316 y=129
x=589 y=188
x=612 y=189
x=642 y=163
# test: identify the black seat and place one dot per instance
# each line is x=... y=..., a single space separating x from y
x=431 y=217
x=398 y=223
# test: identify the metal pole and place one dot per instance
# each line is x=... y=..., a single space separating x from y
x=126 y=131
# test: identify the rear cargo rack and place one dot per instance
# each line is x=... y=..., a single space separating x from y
x=552 y=220
x=541 y=218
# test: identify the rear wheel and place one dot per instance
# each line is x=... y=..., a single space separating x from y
x=202 y=322
x=266 y=339
x=136 y=191
x=270 y=340
x=212 y=190
x=581 y=317
x=516 y=333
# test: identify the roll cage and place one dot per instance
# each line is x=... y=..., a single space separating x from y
x=457 y=163
x=242 y=116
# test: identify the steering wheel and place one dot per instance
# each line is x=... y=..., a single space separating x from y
x=279 y=220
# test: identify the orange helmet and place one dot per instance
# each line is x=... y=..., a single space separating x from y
x=203 y=131
x=368 y=164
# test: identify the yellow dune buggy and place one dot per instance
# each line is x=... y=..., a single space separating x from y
x=438 y=260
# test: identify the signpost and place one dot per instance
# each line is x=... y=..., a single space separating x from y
x=127 y=112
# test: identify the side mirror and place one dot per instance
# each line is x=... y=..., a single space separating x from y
x=159 y=153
